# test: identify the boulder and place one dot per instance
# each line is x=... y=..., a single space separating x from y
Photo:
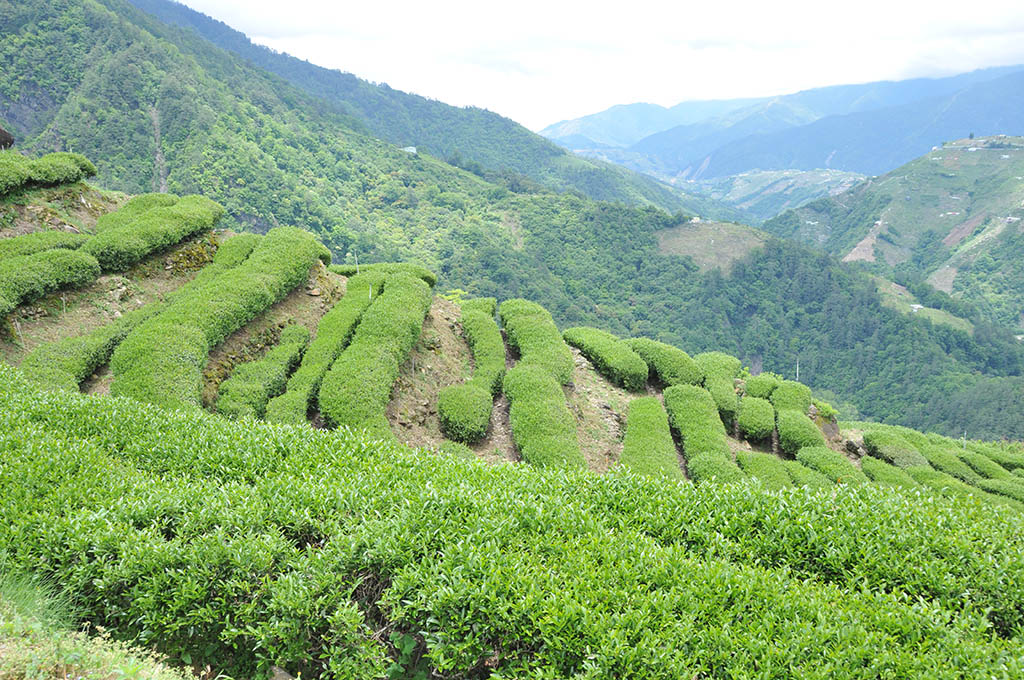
x=6 y=139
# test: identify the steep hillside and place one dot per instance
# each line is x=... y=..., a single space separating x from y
x=952 y=217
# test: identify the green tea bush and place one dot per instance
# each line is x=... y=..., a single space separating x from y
x=1011 y=488
x=333 y=335
x=465 y=410
x=768 y=469
x=250 y=545
x=756 y=419
x=984 y=466
x=612 y=357
x=720 y=371
x=805 y=476
x=880 y=472
x=668 y=365
x=429 y=277
x=761 y=386
x=1008 y=456
x=132 y=209
x=797 y=431
x=694 y=416
x=892 y=448
x=948 y=461
x=543 y=428
x=832 y=464
x=161 y=361
x=648 y=447
x=251 y=385
x=17 y=171
x=951 y=487
x=123 y=244
x=1019 y=472
x=29 y=244
x=718 y=365
x=29 y=277
x=532 y=332
x=356 y=391
x=791 y=395
x=14 y=172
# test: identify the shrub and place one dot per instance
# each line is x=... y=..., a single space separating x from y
x=356 y=391
x=648 y=447
x=132 y=209
x=162 y=360
x=532 y=332
x=791 y=395
x=29 y=244
x=17 y=171
x=805 y=476
x=1011 y=488
x=429 y=277
x=124 y=243
x=762 y=386
x=756 y=419
x=718 y=365
x=14 y=172
x=694 y=416
x=797 y=431
x=951 y=487
x=465 y=410
x=245 y=394
x=669 y=365
x=610 y=356
x=985 y=466
x=893 y=448
x=456 y=449
x=720 y=371
x=543 y=428
x=765 y=467
x=881 y=472
x=333 y=335
x=949 y=462
x=1008 y=456
x=832 y=464
x=29 y=277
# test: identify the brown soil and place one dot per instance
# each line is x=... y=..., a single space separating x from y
x=305 y=305
x=963 y=230
x=600 y=409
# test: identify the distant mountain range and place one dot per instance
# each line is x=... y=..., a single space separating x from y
x=868 y=129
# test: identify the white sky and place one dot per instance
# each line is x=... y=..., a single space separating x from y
x=541 y=62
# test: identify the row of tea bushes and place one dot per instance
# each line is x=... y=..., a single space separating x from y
x=832 y=464
x=667 y=364
x=37 y=242
x=429 y=277
x=20 y=172
x=796 y=431
x=648 y=447
x=251 y=385
x=770 y=470
x=29 y=277
x=694 y=416
x=543 y=429
x=465 y=409
x=333 y=335
x=356 y=390
x=149 y=226
x=162 y=360
x=756 y=419
x=612 y=357
x=249 y=546
x=720 y=371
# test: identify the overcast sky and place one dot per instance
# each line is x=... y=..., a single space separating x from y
x=541 y=62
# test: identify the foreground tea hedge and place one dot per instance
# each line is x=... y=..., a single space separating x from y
x=648 y=447
x=465 y=409
x=612 y=357
x=21 y=172
x=251 y=385
x=356 y=390
x=29 y=277
x=246 y=546
x=162 y=360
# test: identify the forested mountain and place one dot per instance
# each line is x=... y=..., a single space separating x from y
x=185 y=116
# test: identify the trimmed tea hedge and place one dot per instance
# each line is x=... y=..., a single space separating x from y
x=948 y=461
x=720 y=371
x=356 y=391
x=133 y=209
x=791 y=395
x=429 y=277
x=766 y=468
x=762 y=385
x=333 y=335
x=797 y=431
x=805 y=476
x=951 y=487
x=985 y=466
x=120 y=245
x=20 y=172
x=668 y=365
x=245 y=394
x=648 y=447
x=756 y=419
x=543 y=428
x=1011 y=488
x=694 y=416
x=37 y=242
x=832 y=464
x=465 y=410
x=893 y=448
x=1009 y=456
x=161 y=361
x=255 y=545
x=532 y=332
x=612 y=357
x=29 y=277
x=880 y=472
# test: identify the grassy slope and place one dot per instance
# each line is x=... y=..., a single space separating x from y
x=711 y=244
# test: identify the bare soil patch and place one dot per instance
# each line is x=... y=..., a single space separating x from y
x=600 y=409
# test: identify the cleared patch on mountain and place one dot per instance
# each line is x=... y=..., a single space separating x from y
x=711 y=244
